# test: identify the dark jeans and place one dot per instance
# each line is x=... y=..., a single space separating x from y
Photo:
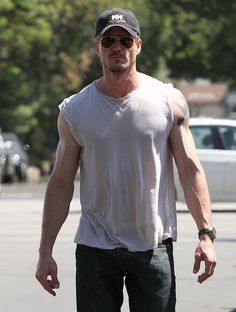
x=148 y=276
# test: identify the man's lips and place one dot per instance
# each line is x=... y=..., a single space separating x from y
x=117 y=55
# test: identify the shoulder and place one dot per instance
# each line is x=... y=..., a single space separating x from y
x=179 y=106
x=151 y=81
x=157 y=88
x=72 y=108
x=75 y=99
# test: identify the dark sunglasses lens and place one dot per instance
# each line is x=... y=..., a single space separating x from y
x=127 y=42
x=107 y=42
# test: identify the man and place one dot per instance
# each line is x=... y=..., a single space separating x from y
x=123 y=130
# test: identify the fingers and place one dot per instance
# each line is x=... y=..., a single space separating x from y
x=46 y=274
x=51 y=284
x=196 y=265
x=209 y=271
x=208 y=257
x=48 y=283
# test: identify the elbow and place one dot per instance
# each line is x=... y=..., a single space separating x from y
x=62 y=187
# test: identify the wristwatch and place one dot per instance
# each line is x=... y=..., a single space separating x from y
x=211 y=232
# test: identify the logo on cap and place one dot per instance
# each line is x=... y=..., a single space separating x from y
x=117 y=18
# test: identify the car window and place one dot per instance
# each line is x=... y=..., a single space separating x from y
x=228 y=135
x=203 y=137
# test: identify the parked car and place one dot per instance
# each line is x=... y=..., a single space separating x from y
x=215 y=140
x=17 y=159
x=2 y=157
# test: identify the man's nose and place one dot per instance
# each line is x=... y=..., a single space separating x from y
x=117 y=43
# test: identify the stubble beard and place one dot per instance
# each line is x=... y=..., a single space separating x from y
x=120 y=68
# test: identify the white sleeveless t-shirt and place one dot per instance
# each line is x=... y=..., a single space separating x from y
x=126 y=172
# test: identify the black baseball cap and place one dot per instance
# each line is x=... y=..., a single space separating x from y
x=117 y=17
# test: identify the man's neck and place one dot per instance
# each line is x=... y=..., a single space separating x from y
x=118 y=86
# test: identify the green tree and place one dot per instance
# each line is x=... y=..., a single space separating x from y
x=202 y=41
x=47 y=53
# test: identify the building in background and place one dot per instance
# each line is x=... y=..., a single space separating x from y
x=209 y=99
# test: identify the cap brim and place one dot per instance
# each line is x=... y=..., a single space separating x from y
x=132 y=32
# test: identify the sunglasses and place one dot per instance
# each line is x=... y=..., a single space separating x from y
x=126 y=41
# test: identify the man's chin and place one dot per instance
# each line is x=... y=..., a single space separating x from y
x=118 y=69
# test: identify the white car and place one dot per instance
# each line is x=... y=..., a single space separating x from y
x=215 y=139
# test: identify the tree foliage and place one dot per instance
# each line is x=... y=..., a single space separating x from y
x=202 y=42
x=47 y=52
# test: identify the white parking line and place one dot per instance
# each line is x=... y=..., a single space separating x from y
x=16 y=195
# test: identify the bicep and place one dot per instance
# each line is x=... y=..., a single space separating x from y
x=181 y=139
x=182 y=146
x=68 y=153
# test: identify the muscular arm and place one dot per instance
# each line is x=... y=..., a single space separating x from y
x=191 y=174
x=193 y=181
x=57 y=202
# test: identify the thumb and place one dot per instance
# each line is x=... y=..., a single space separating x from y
x=54 y=282
x=197 y=262
x=196 y=265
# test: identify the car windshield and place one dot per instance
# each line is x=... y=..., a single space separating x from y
x=202 y=136
x=221 y=137
x=228 y=135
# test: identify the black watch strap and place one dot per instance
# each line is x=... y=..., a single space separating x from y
x=211 y=232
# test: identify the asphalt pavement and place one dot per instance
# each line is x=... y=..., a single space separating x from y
x=20 y=225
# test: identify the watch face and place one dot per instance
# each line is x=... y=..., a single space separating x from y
x=214 y=232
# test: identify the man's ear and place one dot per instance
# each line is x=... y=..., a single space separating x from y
x=97 y=48
x=139 y=46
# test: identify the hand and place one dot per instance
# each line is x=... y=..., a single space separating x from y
x=205 y=252
x=46 y=274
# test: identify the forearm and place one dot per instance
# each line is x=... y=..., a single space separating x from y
x=193 y=181
x=197 y=198
x=56 y=209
